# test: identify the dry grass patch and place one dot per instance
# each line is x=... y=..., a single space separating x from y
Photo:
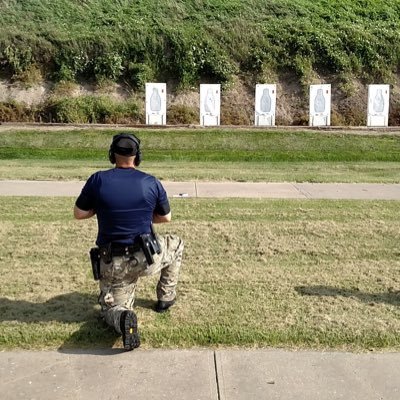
x=320 y=274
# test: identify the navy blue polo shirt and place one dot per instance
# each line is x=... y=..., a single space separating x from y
x=124 y=200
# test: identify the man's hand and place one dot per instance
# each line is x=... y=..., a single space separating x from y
x=159 y=219
x=82 y=214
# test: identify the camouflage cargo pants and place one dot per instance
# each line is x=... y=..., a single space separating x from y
x=119 y=278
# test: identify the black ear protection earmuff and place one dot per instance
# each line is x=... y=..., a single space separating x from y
x=114 y=144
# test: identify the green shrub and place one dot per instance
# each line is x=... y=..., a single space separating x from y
x=90 y=109
x=139 y=74
x=65 y=74
x=19 y=59
x=108 y=66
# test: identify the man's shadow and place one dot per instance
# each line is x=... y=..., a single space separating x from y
x=81 y=308
x=390 y=297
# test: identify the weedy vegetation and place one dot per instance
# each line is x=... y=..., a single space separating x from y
x=185 y=41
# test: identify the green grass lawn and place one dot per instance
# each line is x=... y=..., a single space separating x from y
x=282 y=273
x=209 y=154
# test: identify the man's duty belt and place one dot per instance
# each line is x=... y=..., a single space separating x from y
x=117 y=249
x=146 y=242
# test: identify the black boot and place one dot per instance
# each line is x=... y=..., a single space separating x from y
x=130 y=335
x=163 y=306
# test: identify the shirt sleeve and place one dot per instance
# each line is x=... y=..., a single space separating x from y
x=86 y=200
x=162 y=205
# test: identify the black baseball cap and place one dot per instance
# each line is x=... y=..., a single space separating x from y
x=125 y=146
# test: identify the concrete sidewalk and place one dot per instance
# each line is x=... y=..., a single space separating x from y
x=199 y=374
x=361 y=191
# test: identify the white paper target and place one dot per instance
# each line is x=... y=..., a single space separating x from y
x=265 y=105
x=156 y=103
x=210 y=104
x=378 y=105
x=320 y=105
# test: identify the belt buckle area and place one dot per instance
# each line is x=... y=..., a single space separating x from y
x=121 y=250
x=124 y=251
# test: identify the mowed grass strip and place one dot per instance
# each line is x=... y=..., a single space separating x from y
x=215 y=155
x=256 y=273
x=205 y=145
x=327 y=172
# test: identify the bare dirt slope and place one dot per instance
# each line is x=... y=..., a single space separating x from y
x=349 y=102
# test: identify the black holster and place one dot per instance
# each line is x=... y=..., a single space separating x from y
x=95 y=261
x=150 y=246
